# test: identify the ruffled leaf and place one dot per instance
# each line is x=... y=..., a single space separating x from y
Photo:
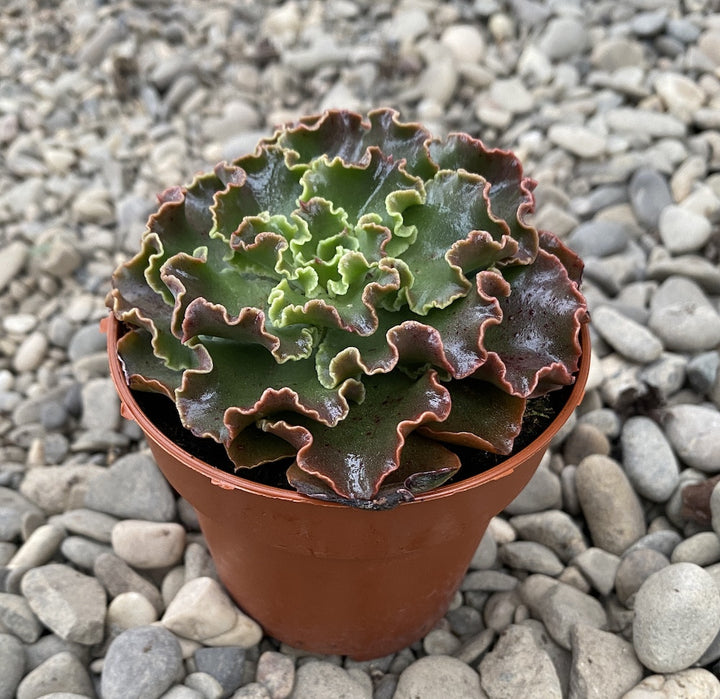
x=424 y=465
x=482 y=416
x=347 y=136
x=252 y=447
x=536 y=347
x=510 y=194
x=244 y=383
x=462 y=327
x=143 y=369
x=375 y=191
x=569 y=259
x=349 y=305
x=452 y=241
x=394 y=405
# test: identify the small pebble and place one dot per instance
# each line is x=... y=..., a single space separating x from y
x=603 y=664
x=513 y=665
x=694 y=433
x=565 y=606
x=696 y=683
x=611 y=507
x=635 y=567
x=69 y=603
x=435 y=675
x=146 y=545
x=677 y=616
x=63 y=673
x=133 y=488
x=323 y=680
x=130 y=609
x=648 y=459
x=142 y=661
x=702 y=548
x=276 y=672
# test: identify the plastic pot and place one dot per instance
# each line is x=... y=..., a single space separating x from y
x=328 y=578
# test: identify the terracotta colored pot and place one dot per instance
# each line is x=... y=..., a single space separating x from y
x=328 y=578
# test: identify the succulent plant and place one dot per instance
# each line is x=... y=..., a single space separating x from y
x=357 y=295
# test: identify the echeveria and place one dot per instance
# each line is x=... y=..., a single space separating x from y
x=357 y=295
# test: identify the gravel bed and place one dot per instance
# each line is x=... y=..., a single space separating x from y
x=598 y=581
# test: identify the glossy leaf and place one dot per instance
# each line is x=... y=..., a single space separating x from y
x=393 y=406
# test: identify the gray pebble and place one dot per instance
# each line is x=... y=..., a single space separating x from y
x=702 y=548
x=100 y=405
x=144 y=661
x=702 y=370
x=12 y=665
x=565 y=606
x=683 y=318
x=580 y=141
x=515 y=664
x=225 y=664
x=31 y=352
x=60 y=673
x=323 y=680
x=82 y=552
x=488 y=581
x=432 y=676
x=474 y=648
x=701 y=271
x=629 y=338
x=87 y=523
x=625 y=120
x=585 y=439
x=134 y=488
x=67 y=602
x=541 y=493
x=599 y=567
x=180 y=691
x=663 y=541
x=14 y=255
x=86 y=341
x=13 y=506
x=117 y=577
x=686 y=684
x=555 y=529
x=648 y=459
x=683 y=231
x=204 y=684
x=598 y=238
x=276 y=673
x=39 y=548
x=667 y=374
x=18 y=618
x=441 y=642
x=603 y=664
x=53 y=415
x=465 y=621
x=147 y=545
x=604 y=420
x=51 y=644
x=612 y=510
x=694 y=433
x=532 y=557
x=254 y=690
x=58 y=488
x=563 y=37
x=677 y=616
x=486 y=552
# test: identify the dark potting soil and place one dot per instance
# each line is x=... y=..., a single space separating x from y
x=161 y=411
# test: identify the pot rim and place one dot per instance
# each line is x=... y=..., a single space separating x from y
x=227 y=481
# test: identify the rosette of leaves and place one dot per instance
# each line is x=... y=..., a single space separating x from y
x=354 y=295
